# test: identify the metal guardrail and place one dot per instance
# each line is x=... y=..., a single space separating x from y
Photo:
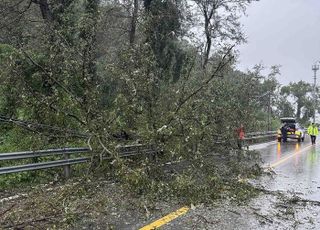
x=250 y=137
x=43 y=165
x=131 y=150
x=123 y=151
x=65 y=163
x=260 y=135
x=41 y=153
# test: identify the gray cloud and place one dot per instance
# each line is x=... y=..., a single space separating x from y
x=282 y=32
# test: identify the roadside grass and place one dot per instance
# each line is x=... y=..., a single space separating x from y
x=15 y=140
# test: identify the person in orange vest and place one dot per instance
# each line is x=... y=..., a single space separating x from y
x=241 y=134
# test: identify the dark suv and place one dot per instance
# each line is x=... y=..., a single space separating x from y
x=295 y=131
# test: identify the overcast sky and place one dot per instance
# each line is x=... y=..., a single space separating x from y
x=283 y=32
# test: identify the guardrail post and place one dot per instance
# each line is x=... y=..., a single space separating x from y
x=34 y=161
x=66 y=168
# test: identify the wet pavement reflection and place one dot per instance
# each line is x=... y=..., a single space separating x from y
x=297 y=168
x=279 y=206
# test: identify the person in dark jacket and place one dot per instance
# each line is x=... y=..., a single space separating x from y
x=284 y=130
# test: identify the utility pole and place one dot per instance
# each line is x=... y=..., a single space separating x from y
x=269 y=110
x=315 y=68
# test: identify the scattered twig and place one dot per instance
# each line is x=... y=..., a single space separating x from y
x=8 y=209
x=294 y=199
x=263 y=217
x=235 y=212
x=299 y=199
x=202 y=218
x=88 y=143
x=24 y=224
x=105 y=148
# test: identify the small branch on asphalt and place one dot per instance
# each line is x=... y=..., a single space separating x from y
x=8 y=209
x=263 y=217
x=202 y=218
x=297 y=199
x=235 y=212
x=23 y=225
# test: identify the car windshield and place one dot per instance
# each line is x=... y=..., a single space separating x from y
x=288 y=120
x=291 y=125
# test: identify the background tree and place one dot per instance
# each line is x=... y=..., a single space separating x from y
x=107 y=67
x=284 y=107
x=299 y=91
x=220 y=21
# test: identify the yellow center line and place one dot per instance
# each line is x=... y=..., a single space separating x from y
x=166 y=219
x=291 y=155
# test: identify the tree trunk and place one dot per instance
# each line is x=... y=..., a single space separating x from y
x=132 y=34
x=207 y=28
x=299 y=106
x=45 y=10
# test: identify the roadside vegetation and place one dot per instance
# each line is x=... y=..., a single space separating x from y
x=109 y=73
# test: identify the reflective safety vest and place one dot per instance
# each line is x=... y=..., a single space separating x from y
x=313 y=130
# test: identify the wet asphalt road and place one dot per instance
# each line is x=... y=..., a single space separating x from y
x=297 y=173
x=297 y=168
